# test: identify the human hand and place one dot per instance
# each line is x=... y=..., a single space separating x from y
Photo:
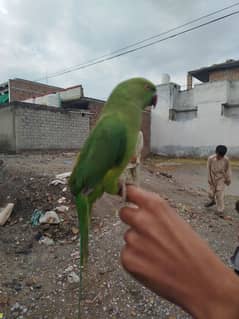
x=164 y=253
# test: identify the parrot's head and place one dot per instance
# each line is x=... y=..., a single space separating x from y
x=140 y=89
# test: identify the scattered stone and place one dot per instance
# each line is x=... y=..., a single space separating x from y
x=73 y=278
x=63 y=175
x=166 y=174
x=49 y=217
x=46 y=241
x=61 y=200
x=227 y=218
x=56 y=182
x=18 y=308
x=75 y=230
x=5 y=213
x=31 y=281
x=62 y=209
x=4 y=300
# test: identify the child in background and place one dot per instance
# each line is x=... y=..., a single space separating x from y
x=219 y=175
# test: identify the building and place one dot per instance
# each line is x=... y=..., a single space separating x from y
x=19 y=90
x=192 y=122
x=36 y=116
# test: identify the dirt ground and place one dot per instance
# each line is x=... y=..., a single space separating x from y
x=35 y=278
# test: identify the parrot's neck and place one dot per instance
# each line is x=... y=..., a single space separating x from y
x=131 y=113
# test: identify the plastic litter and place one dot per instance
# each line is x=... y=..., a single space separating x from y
x=56 y=182
x=49 y=217
x=61 y=200
x=36 y=215
x=73 y=278
x=5 y=213
x=62 y=208
x=46 y=241
x=63 y=175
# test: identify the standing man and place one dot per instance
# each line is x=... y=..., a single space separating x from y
x=219 y=175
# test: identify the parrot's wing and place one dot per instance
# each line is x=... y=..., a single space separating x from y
x=105 y=148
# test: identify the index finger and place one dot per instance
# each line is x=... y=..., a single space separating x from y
x=142 y=198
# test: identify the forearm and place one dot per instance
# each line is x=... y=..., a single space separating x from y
x=164 y=253
x=216 y=296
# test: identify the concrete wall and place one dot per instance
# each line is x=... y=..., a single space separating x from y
x=95 y=110
x=25 y=126
x=200 y=135
x=41 y=127
x=7 y=129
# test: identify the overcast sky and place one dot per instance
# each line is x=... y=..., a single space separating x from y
x=43 y=37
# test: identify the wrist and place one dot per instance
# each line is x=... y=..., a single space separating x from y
x=219 y=298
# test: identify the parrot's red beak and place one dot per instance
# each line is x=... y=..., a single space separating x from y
x=154 y=100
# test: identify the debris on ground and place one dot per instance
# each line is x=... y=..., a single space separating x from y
x=5 y=213
x=46 y=241
x=61 y=200
x=36 y=215
x=49 y=217
x=73 y=278
x=56 y=182
x=33 y=275
x=18 y=309
x=75 y=230
x=164 y=174
x=62 y=209
x=63 y=176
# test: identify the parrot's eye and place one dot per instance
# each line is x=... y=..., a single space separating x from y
x=149 y=88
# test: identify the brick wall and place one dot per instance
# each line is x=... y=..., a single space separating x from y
x=22 y=89
x=231 y=74
x=40 y=127
x=95 y=109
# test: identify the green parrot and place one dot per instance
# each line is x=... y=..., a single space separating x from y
x=108 y=150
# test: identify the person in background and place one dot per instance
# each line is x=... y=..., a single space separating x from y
x=164 y=253
x=219 y=175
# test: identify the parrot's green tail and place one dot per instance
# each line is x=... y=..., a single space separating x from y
x=83 y=210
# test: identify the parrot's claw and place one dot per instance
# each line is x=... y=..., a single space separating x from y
x=124 y=192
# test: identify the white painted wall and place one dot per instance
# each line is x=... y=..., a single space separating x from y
x=55 y=99
x=49 y=100
x=199 y=136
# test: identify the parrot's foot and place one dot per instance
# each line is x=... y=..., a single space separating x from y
x=124 y=192
x=123 y=189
